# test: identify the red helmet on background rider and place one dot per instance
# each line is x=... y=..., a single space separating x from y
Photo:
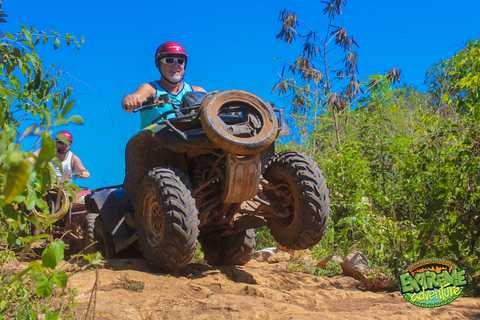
x=169 y=49
x=66 y=134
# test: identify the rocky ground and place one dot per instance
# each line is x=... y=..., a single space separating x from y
x=129 y=289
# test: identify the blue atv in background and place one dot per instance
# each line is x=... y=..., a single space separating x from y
x=210 y=174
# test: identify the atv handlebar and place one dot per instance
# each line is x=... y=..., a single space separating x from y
x=152 y=102
x=79 y=175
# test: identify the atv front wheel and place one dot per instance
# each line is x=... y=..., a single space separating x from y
x=235 y=249
x=298 y=191
x=166 y=219
x=238 y=121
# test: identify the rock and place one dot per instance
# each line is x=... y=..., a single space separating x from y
x=356 y=265
x=378 y=281
x=279 y=257
x=330 y=258
x=264 y=254
x=69 y=267
x=284 y=249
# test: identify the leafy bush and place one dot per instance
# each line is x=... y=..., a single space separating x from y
x=32 y=97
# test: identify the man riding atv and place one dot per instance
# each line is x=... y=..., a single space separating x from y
x=204 y=169
x=171 y=60
x=71 y=163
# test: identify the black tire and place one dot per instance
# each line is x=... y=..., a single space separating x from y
x=105 y=243
x=235 y=249
x=89 y=234
x=166 y=219
x=301 y=195
x=261 y=134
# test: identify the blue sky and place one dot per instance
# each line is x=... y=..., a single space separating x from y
x=231 y=45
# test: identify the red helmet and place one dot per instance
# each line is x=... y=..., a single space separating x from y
x=67 y=135
x=170 y=48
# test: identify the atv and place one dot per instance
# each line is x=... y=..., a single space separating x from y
x=72 y=223
x=207 y=172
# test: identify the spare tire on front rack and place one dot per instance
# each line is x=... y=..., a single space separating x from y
x=238 y=122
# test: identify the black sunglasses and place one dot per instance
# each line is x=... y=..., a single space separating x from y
x=60 y=142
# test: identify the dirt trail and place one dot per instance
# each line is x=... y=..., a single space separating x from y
x=128 y=289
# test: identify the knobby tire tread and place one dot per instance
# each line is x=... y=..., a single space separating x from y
x=180 y=219
x=314 y=213
x=89 y=233
x=234 y=249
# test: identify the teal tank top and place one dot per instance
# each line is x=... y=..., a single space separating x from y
x=146 y=116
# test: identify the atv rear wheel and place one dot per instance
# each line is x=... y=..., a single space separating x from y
x=105 y=243
x=235 y=249
x=299 y=193
x=238 y=122
x=166 y=219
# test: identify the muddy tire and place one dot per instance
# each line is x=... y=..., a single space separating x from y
x=254 y=133
x=301 y=196
x=105 y=243
x=89 y=234
x=235 y=249
x=166 y=219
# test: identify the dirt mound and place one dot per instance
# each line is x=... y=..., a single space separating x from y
x=129 y=289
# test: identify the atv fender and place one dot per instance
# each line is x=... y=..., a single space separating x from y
x=113 y=204
x=157 y=146
x=284 y=130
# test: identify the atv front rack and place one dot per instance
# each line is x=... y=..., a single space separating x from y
x=191 y=115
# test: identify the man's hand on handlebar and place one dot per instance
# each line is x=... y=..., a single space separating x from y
x=131 y=103
x=82 y=175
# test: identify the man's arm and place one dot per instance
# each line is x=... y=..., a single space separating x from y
x=32 y=159
x=77 y=166
x=134 y=101
x=197 y=88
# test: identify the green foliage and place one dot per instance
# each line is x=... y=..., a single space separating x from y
x=33 y=101
x=467 y=69
x=402 y=171
x=29 y=292
x=403 y=184
x=264 y=239
x=379 y=93
x=32 y=97
x=448 y=81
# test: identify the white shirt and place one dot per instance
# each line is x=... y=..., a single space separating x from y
x=66 y=166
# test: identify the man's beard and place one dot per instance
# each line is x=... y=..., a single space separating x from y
x=175 y=78
x=62 y=150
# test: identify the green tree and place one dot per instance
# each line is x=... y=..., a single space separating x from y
x=443 y=82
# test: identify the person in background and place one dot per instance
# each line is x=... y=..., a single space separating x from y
x=171 y=60
x=71 y=163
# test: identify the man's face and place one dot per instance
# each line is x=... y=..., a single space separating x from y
x=173 y=72
x=62 y=147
